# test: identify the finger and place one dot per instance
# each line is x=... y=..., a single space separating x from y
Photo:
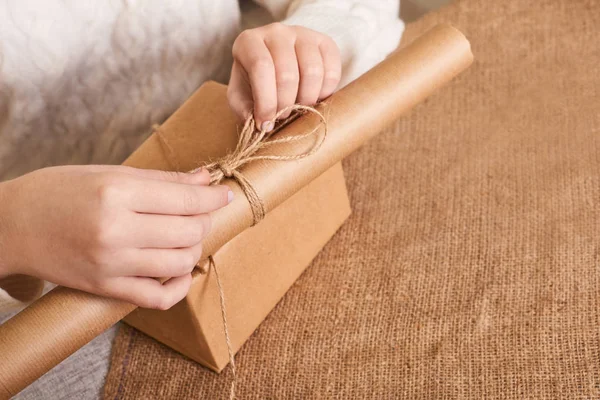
x=239 y=93
x=286 y=72
x=167 y=231
x=260 y=71
x=332 y=66
x=311 y=72
x=169 y=198
x=200 y=177
x=148 y=292
x=160 y=263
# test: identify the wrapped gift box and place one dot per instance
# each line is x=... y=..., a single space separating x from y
x=259 y=264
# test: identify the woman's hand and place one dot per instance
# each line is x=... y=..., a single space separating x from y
x=108 y=229
x=276 y=66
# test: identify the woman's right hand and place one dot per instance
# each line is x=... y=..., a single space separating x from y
x=108 y=230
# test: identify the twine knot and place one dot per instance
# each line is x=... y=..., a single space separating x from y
x=225 y=170
x=249 y=143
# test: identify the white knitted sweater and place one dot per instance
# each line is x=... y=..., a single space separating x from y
x=81 y=81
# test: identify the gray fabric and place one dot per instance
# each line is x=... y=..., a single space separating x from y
x=81 y=376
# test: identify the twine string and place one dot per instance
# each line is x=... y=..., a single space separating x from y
x=211 y=262
x=249 y=143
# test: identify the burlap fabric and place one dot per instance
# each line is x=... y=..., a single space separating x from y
x=471 y=266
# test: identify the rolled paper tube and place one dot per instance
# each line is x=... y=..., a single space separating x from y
x=58 y=324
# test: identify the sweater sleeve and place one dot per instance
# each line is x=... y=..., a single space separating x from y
x=366 y=31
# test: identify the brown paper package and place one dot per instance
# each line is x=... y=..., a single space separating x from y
x=61 y=322
x=259 y=264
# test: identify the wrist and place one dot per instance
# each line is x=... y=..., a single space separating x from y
x=5 y=211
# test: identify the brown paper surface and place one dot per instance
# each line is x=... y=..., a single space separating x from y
x=62 y=321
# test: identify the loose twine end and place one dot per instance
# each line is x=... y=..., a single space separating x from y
x=250 y=142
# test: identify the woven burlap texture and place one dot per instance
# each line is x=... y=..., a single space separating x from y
x=470 y=268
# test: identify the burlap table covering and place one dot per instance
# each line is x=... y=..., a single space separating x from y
x=471 y=265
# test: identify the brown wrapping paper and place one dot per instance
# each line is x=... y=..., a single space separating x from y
x=61 y=322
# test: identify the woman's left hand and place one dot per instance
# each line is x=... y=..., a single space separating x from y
x=276 y=66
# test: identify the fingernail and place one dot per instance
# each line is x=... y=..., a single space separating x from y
x=229 y=197
x=267 y=126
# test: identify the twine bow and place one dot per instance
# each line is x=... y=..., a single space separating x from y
x=250 y=142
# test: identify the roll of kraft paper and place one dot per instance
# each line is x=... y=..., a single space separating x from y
x=64 y=320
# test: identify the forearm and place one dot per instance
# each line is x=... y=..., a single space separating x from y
x=16 y=289
x=5 y=268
